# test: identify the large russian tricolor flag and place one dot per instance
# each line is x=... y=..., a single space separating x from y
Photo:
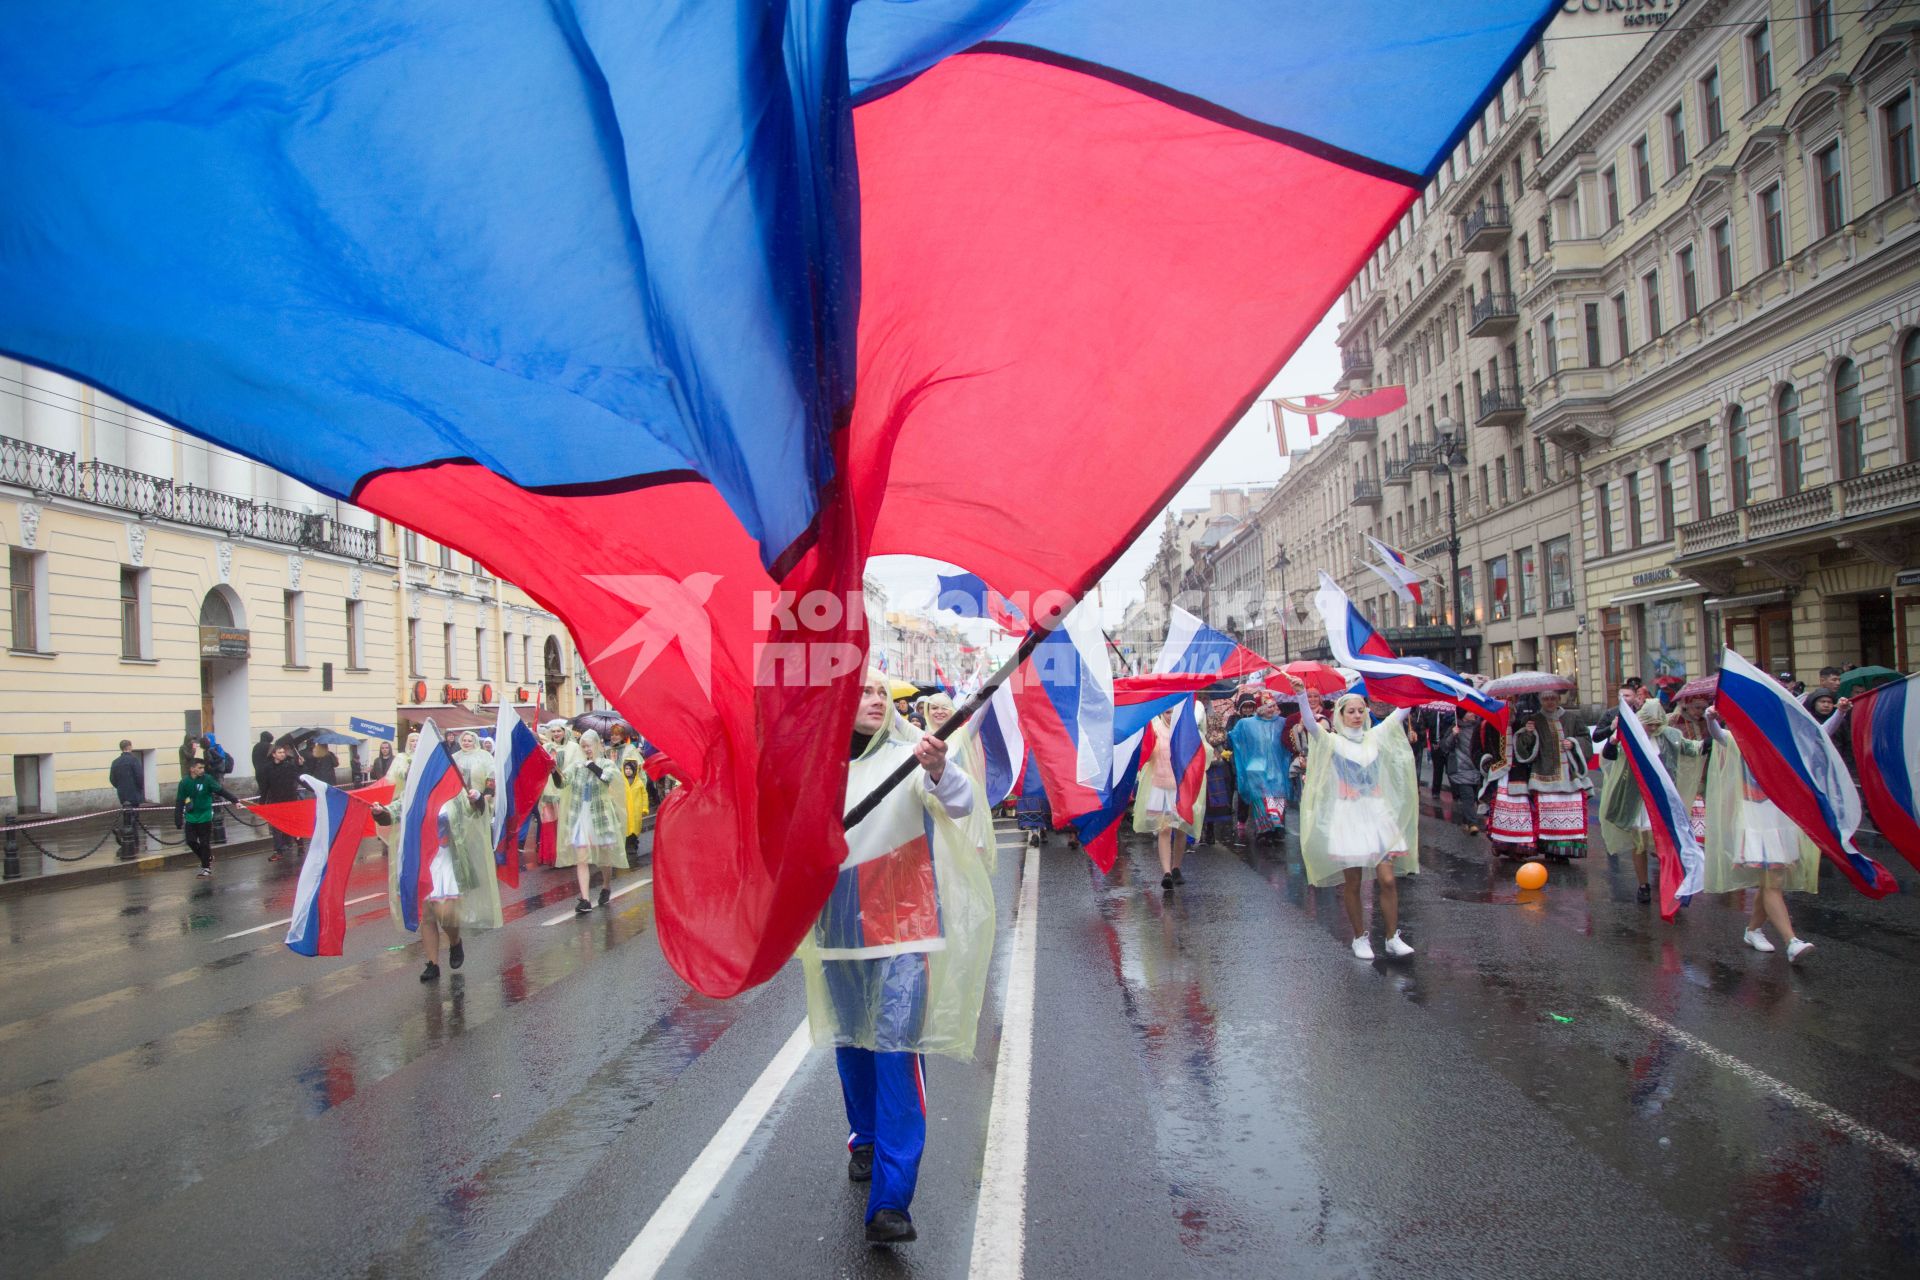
x=319 y=925
x=1188 y=753
x=1798 y=767
x=836 y=280
x=1065 y=703
x=521 y=767
x=1397 y=681
x=1886 y=750
x=1194 y=648
x=1683 y=864
x=970 y=597
x=1099 y=827
x=433 y=780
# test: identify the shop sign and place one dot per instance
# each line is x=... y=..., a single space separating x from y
x=223 y=642
x=454 y=693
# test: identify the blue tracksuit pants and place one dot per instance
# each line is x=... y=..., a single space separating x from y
x=885 y=1092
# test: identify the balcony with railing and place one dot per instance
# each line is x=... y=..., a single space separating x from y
x=1423 y=456
x=57 y=474
x=1827 y=510
x=1486 y=226
x=1493 y=314
x=1398 y=471
x=1356 y=359
x=1363 y=428
x=1500 y=407
x=1366 y=493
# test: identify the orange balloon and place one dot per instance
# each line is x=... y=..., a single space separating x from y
x=1531 y=875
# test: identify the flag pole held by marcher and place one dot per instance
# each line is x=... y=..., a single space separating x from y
x=1035 y=634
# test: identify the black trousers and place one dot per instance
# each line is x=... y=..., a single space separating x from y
x=200 y=841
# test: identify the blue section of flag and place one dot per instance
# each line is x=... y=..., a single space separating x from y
x=1382 y=79
x=432 y=779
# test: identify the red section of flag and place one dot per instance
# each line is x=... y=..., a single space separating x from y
x=1380 y=400
x=295 y=817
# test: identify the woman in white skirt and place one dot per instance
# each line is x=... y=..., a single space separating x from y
x=1752 y=844
x=593 y=821
x=1156 y=802
x=1359 y=812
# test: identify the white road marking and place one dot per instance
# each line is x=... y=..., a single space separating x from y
x=1000 y=1220
x=648 y=1252
x=1864 y=1135
x=275 y=924
x=621 y=892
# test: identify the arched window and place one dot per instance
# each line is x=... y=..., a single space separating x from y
x=1737 y=474
x=1792 y=454
x=1849 y=437
x=1910 y=393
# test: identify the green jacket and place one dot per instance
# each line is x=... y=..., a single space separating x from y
x=194 y=798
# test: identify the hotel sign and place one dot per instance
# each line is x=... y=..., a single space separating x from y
x=1633 y=13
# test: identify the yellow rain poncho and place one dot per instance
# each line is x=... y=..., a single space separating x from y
x=1145 y=821
x=1360 y=794
x=637 y=801
x=897 y=961
x=1741 y=821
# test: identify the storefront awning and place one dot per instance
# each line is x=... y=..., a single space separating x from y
x=1665 y=591
x=449 y=716
x=1748 y=601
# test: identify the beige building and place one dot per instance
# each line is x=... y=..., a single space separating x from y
x=161 y=586
x=1446 y=308
x=1734 y=342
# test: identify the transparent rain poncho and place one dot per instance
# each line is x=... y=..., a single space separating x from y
x=1355 y=780
x=1736 y=807
x=965 y=747
x=897 y=961
x=471 y=831
x=593 y=810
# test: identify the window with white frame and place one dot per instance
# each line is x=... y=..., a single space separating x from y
x=1819 y=27
x=1689 y=283
x=1610 y=196
x=1642 y=171
x=1896 y=132
x=1770 y=209
x=293 y=620
x=1722 y=257
x=356 y=635
x=136 y=613
x=1713 y=121
x=1830 y=182
x=1677 y=137
x=1650 y=295
x=450 y=650
x=27 y=580
x=1759 y=63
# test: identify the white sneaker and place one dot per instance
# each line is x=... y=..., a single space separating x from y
x=206 y=871
x=1362 y=949
x=1397 y=946
x=1758 y=940
x=1796 y=948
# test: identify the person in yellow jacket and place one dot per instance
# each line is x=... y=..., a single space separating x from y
x=637 y=804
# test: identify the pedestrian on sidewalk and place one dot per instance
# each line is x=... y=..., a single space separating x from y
x=593 y=821
x=262 y=757
x=382 y=762
x=280 y=783
x=193 y=811
x=128 y=778
x=1752 y=844
x=896 y=965
x=1360 y=812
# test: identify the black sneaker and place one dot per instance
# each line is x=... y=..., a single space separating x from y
x=606 y=895
x=1645 y=893
x=431 y=973
x=860 y=1164
x=890 y=1226
x=1177 y=877
x=457 y=955
x=581 y=907
x=1166 y=881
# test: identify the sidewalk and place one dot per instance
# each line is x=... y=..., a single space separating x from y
x=86 y=850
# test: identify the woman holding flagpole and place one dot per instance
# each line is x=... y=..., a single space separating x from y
x=1359 y=812
x=1751 y=844
x=1156 y=804
x=1625 y=826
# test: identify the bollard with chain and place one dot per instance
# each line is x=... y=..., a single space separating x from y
x=11 y=853
x=127 y=834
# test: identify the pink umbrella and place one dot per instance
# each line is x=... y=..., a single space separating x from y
x=1703 y=687
x=1528 y=682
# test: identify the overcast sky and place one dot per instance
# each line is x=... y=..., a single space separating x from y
x=1248 y=456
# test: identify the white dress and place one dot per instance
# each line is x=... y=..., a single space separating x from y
x=1365 y=831
x=446 y=885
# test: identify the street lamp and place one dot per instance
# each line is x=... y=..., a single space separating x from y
x=1286 y=643
x=1450 y=455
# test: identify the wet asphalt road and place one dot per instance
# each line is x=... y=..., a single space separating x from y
x=1219 y=1088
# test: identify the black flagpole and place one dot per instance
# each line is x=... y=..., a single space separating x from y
x=958 y=718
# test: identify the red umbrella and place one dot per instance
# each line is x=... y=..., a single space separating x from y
x=1317 y=676
x=1703 y=687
